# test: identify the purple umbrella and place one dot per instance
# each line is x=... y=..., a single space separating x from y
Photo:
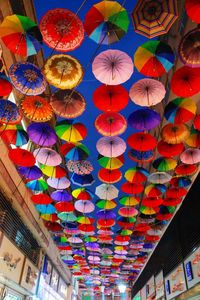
x=144 y=119
x=84 y=206
x=31 y=173
x=92 y=245
x=58 y=183
x=111 y=146
x=61 y=195
x=42 y=134
x=47 y=156
x=106 y=214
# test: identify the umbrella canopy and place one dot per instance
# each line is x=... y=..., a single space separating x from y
x=21 y=157
x=194 y=138
x=27 y=78
x=38 y=185
x=74 y=151
x=142 y=141
x=71 y=132
x=152 y=202
x=176 y=192
x=132 y=188
x=175 y=134
x=61 y=195
x=63 y=71
x=9 y=112
x=106 y=204
x=149 y=210
x=45 y=209
x=154 y=58
x=185 y=170
x=169 y=150
x=197 y=122
x=42 y=134
x=110 y=98
x=64 y=206
x=129 y=201
x=61 y=29
x=106 y=191
x=154 y=18
x=189 y=50
x=159 y=177
x=190 y=156
x=30 y=173
x=141 y=156
x=47 y=156
x=185 y=82
x=41 y=199
x=106 y=22
x=144 y=119
x=136 y=174
x=193 y=10
x=68 y=103
x=82 y=194
x=54 y=172
x=14 y=134
x=155 y=190
x=5 y=85
x=80 y=167
x=109 y=176
x=163 y=164
x=112 y=67
x=105 y=214
x=180 y=181
x=82 y=180
x=58 y=183
x=110 y=124
x=180 y=110
x=111 y=146
x=111 y=163
x=128 y=212
x=21 y=35
x=36 y=109
x=84 y=206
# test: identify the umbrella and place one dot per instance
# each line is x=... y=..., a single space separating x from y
x=61 y=195
x=194 y=138
x=71 y=132
x=154 y=58
x=144 y=119
x=37 y=185
x=175 y=134
x=109 y=176
x=154 y=18
x=63 y=71
x=189 y=49
x=82 y=194
x=110 y=124
x=68 y=103
x=9 y=112
x=21 y=157
x=169 y=150
x=42 y=134
x=196 y=122
x=54 y=172
x=36 y=109
x=163 y=164
x=27 y=78
x=82 y=180
x=58 y=183
x=132 y=188
x=180 y=110
x=49 y=217
x=84 y=206
x=128 y=212
x=136 y=174
x=30 y=173
x=106 y=223
x=64 y=207
x=47 y=156
x=75 y=240
x=111 y=146
x=126 y=222
x=152 y=201
x=105 y=214
x=129 y=201
x=112 y=67
x=190 y=156
x=185 y=170
x=106 y=191
x=155 y=190
x=141 y=156
x=180 y=181
x=172 y=201
x=142 y=141
x=149 y=210
x=41 y=199
x=13 y=134
x=80 y=167
x=193 y=10
x=74 y=151
x=111 y=163
x=110 y=98
x=45 y=209
x=21 y=35
x=159 y=177
x=62 y=29
x=5 y=85
x=106 y=204
x=185 y=82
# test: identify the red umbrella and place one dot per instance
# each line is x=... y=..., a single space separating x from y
x=86 y=227
x=176 y=192
x=21 y=157
x=164 y=217
x=106 y=223
x=197 y=122
x=132 y=188
x=41 y=199
x=143 y=227
x=185 y=82
x=142 y=141
x=152 y=238
x=64 y=206
x=185 y=170
x=110 y=124
x=171 y=201
x=109 y=176
x=169 y=150
x=152 y=201
x=53 y=226
x=110 y=98
x=193 y=10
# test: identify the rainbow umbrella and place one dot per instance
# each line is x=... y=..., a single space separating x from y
x=9 y=112
x=106 y=204
x=106 y=22
x=148 y=210
x=70 y=132
x=129 y=201
x=144 y=119
x=136 y=174
x=37 y=185
x=163 y=164
x=155 y=190
x=45 y=209
x=82 y=194
x=21 y=35
x=14 y=134
x=111 y=163
x=180 y=110
x=193 y=140
x=54 y=172
x=30 y=173
x=154 y=58
x=61 y=195
x=74 y=151
x=180 y=181
x=85 y=220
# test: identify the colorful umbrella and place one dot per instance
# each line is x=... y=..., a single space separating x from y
x=21 y=35
x=62 y=30
x=159 y=177
x=47 y=156
x=185 y=170
x=14 y=134
x=84 y=206
x=21 y=157
x=36 y=109
x=45 y=209
x=71 y=132
x=41 y=199
x=141 y=156
x=82 y=180
x=49 y=217
x=106 y=191
x=64 y=206
x=38 y=185
x=169 y=150
x=110 y=124
x=109 y=176
x=111 y=146
x=154 y=18
x=80 y=167
x=149 y=210
x=136 y=175
x=196 y=122
x=132 y=188
x=111 y=163
x=42 y=134
x=9 y=112
x=106 y=22
x=189 y=49
x=27 y=78
x=5 y=85
x=54 y=172
x=63 y=71
x=185 y=82
x=30 y=173
x=154 y=58
x=175 y=134
x=128 y=212
x=110 y=98
x=193 y=10
x=142 y=141
x=61 y=195
x=58 y=183
x=112 y=67
x=190 y=156
x=82 y=194
x=144 y=119
x=74 y=151
x=129 y=201
x=194 y=138
x=180 y=181
x=163 y=164
x=155 y=190
x=180 y=110
x=106 y=204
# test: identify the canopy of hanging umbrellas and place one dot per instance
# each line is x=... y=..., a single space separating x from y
x=106 y=200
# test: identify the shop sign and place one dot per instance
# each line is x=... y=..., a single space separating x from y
x=175 y=283
x=150 y=288
x=159 y=284
x=54 y=280
x=30 y=277
x=192 y=268
x=47 y=270
x=62 y=288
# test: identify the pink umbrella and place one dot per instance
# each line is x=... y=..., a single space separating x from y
x=112 y=67
x=59 y=183
x=75 y=240
x=147 y=92
x=47 y=156
x=84 y=206
x=190 y=156
x=111 y=146
x=105 y=232
x=81 y=167
x=128 y=211
x=93 y=258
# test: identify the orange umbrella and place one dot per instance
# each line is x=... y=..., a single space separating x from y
x=175 y=134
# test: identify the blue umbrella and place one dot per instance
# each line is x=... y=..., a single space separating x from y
x=141 y=156
x=61 y=195
x=45 y=209
x=105 y=214
x=31 y=173
x=144 y=119
x=9 y=112
x=82 y=180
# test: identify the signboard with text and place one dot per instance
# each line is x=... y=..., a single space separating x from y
x=175 y=283
x=159 y=285
x=192 y=268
